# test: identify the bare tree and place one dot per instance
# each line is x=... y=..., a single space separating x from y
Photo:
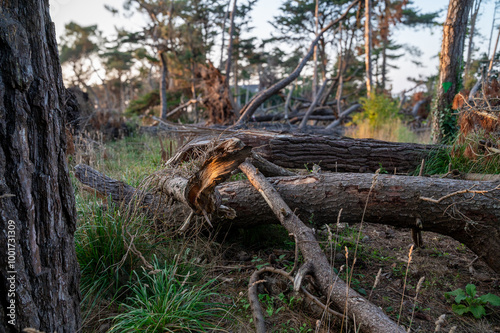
x=39 y=274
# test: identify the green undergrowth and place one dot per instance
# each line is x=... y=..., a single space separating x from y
x=440 y=161
x=161 y=302
x=133 y=276
x=103 y=240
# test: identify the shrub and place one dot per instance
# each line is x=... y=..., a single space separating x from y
x=379 y=109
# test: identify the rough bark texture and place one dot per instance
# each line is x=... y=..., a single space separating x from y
x=370 y=317
x=394 y=200
x=450 y=61
x=35 y=190
x=330 y=153
x=163 y=85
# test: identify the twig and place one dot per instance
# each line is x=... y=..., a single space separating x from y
x=483 y=192
x=257 y=313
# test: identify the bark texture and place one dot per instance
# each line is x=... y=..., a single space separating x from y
x=163 y=84
x=35 y=190
x=472 y=219
x=450 y=62
x=330 y=153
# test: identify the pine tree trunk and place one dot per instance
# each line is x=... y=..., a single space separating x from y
x=339 y=154
x=39 y=274
x=368 y=46
x=315 y=55
x=451 y=59
x=470 y=45
x=163 y=85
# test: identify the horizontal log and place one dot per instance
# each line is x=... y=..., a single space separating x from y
x=338 y=154
x=471 y=218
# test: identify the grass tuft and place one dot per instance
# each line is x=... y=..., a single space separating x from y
x=162 y=303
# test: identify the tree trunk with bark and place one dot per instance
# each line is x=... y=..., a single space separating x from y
x=470 y=46
x=39 y=274
x=469 y=215
x=163 y=85
x=450 y=62
x=368 y=46
x=341 y=154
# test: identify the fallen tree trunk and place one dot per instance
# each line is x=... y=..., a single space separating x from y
x=471 y=218
x=338 y=154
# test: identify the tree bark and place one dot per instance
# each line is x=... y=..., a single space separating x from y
x=230 y=44
x=470 y=218
x=341 y=154
x=310 y=111
x=315 y=54
x=39 y=274
x=163 y=85
x=450 y=61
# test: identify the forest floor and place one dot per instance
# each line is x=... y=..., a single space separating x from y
x=221 y=263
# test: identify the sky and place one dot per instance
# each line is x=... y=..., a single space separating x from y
x=88 y=12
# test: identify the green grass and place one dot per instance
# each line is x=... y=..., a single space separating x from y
x=102 y=249
x=133 y=158
x=163 y=303
x=440 y=161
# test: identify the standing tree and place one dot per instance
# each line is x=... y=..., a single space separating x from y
x=450 y=63
x=368 y=46
x=394 y=13
x=40 y=276
x=470 y=46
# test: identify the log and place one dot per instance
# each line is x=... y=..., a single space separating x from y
x=470 y=218
x=338 y=154
x=370 y=317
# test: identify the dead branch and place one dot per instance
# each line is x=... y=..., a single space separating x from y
x=343 y=116
x=257 y=313
x=182 y=106
x=371 y=318
x=313 y=105
x=470 y=190
x=249 y=109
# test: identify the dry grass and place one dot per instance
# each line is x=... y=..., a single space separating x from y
x=394 y=131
